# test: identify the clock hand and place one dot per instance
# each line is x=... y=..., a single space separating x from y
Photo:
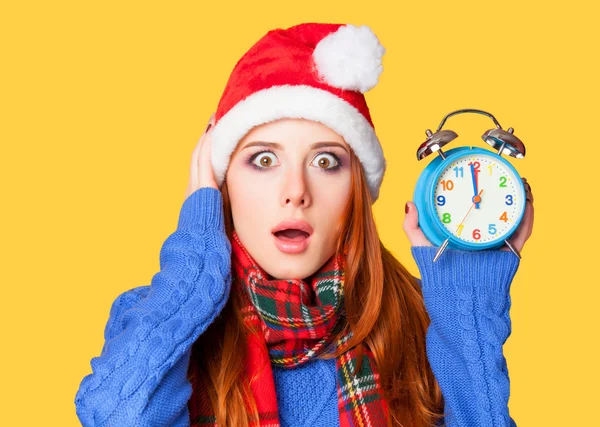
x=476 y=199
x=474 y=180
x=477 y=188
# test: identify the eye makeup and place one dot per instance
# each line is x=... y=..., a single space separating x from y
x=250 y=161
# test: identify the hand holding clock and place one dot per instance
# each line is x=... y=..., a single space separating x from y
x=518 y=239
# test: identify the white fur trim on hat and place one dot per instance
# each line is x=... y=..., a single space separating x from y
x=306 y=102
x=350 y=58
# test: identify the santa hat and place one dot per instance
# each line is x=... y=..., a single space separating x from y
x=312 y=71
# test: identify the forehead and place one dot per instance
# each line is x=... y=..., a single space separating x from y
x=292 y=131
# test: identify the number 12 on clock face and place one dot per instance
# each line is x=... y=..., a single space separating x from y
x=478 y=198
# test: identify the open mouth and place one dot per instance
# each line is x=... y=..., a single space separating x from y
x=291 y=235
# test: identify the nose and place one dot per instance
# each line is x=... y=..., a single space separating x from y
x=295 y=190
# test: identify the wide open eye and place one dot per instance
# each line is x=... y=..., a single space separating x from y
x=326 y=160
x=263 y=159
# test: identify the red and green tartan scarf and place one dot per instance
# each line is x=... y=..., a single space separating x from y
x=298 y=320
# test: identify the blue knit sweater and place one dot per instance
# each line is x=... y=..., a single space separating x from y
x=139 y=379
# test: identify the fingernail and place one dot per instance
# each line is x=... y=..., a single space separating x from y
x=406 y=208
x=209 y=122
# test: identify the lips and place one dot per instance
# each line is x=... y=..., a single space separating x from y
x=292 y=236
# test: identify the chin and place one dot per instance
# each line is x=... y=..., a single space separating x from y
x=288 y=267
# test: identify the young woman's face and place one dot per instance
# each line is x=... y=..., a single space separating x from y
x=290 y=169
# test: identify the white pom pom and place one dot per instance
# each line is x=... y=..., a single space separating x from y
x=350 y=58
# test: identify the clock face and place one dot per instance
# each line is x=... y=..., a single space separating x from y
x=500 y=200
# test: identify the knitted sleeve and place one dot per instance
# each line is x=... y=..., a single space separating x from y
x=140 y=377
x=467 y=297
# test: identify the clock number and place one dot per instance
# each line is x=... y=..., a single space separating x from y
x=503 y=181
x=492 y=229
x=441 y=200
x=446 y=218
x=509 y=198
x=459 y=229
x=476 y=166
x=503 y=217
x=459 y=169
x=476 y=234
x=490 y=168
x=448 y=185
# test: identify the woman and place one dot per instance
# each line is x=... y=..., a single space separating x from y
x=276 y=303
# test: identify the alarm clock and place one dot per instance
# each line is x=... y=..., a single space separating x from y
x=470 y=198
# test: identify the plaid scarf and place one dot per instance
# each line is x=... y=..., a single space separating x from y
x=296 y=321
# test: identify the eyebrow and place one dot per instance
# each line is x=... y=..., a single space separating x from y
x=280 y=147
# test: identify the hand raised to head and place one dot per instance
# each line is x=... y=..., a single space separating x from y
x=201 y=170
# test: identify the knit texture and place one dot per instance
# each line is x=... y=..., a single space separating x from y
x=467 y=298
x=306 y=396
x=140 y=377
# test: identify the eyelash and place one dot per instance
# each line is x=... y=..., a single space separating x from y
x=252 y=157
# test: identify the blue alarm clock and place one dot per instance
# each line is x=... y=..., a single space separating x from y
x=470 y=198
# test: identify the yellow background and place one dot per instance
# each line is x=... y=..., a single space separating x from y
x=102 y=104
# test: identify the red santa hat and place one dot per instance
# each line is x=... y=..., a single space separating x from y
x=312 y=71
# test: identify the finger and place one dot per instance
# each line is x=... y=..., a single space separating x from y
x=204 y=162
x=206 y=172
x=193 y=181
x=412 y=229
x=527 y=222
x=210 y=123
x=528 y=192
x=195 y=169
x=525 y=229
